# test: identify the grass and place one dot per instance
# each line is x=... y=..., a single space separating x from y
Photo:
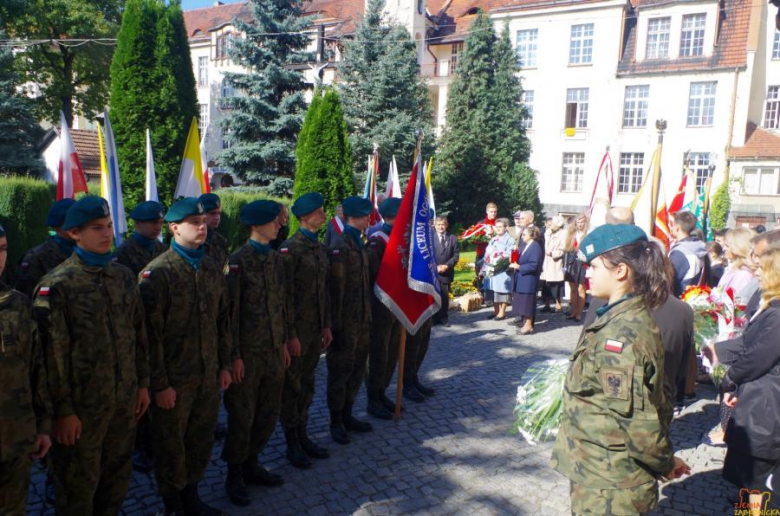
x=467 y=274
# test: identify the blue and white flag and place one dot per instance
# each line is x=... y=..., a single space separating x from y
x=112 y=183
x=151 y=175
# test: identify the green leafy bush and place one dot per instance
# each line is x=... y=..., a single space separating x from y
x=24 y=204
x=232 y=201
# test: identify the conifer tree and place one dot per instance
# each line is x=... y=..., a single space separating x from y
x=268 y=110
x=323 y=156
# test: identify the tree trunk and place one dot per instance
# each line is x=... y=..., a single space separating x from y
x=67 y=74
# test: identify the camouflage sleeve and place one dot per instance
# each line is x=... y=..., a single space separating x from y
x=634 y=394
x=338 y=280
x=120 y=256
x=288 y=264
x=50 y=312
x=225 y=347
x=142 y=340
x=29 y=274
x=234 y=300
x=374 y=259
x=328 y=302
x=40 y=391
x=154 y=293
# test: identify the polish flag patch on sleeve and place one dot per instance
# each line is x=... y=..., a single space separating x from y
x=284 y=250
x=44 y=291
x=335 y=252
x=614 y=346
x=146 y=274
x=234 y=267
x=25 y=266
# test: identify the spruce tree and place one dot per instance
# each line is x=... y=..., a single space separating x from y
x=323 y=156
x=268 y=111
x=385 y=99
x=19 y=130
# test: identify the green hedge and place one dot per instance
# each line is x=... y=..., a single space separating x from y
x=232 y=201
x=24 y=203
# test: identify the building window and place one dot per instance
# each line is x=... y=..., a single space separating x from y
x=701 y=104
x=635 y=106
x=203 y=72
x=226 y=91
x=658 y=38
x=526 y=47
x=631 y=172
x=776 y=46
x=699 y=163
x=692 y=38
x=528 y=102
x=577 y=108
x=760 y=181
x=772 y=112
x=226 y=143
x=224 y=44
x=573 y=171
x=457 y=48
x=581 y=45
x=203 y=119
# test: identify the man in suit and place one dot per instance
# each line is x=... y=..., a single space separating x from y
x=447 y=254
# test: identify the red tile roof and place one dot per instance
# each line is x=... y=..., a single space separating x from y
x=88 y=149
x=730 y=49
x=759 y=144
x=199 y=21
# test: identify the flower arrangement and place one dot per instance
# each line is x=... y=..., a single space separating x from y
x=713 y=315
x=477 y=233
x=460 y=287
x=539 y=403
x=496 y=263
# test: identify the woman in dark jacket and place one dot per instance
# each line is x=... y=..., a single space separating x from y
x=527 y=271
x=752 y=387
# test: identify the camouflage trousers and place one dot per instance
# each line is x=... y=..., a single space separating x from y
x=640 y=499
x=383 y=349
x=92 y=476
x=14 y=481
x=298 y=390
x=253 y=405
x=346 y=361
x=184 y=435
x=415 y=351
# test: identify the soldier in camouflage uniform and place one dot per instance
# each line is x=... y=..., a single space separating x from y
x=90 y=318
x=216 y=245
x=143 y=245
x=187 y=313
x=350 y=295
x=256 y=284
x=284 y=231
x=385 y=327
x=308 y=325
x=613 y=443
x=39 y=260
x=25 y=408
x=416 y=349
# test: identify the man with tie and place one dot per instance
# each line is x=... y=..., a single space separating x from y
x=447 y=254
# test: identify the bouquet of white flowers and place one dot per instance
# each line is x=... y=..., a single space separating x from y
x=540 y=400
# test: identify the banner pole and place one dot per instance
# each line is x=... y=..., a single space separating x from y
x=399 y=387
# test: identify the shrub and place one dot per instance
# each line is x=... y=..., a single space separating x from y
x=24 y=204
x=232 y=201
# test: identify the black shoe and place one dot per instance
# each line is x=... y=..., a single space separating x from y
x=50 y=492
x=142 y=462
x=353 y=424
x=378 y=410
x=426 y=391
x=545 y=310
x=173 y=506
x=194 y=506
x=220 y=432
x=256 y=475
x=311 y=448
x=388 y=403
x=295 y=454
x=339 y=434
x=411 y=393
x=236 y=487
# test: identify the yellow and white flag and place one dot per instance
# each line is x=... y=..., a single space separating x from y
x=192 y=182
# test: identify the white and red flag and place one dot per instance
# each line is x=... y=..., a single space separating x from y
x=70 y=176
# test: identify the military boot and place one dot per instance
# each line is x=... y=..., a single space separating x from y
x=295 y=454
x=256 y=475
x=388 y=403
x=173 y=506
x=235 y=486
x=352 y=423
x=377 y=409
x=424 y=389
x=311 y=448
x=337 y=430
x=194 y=506
x=411 y=393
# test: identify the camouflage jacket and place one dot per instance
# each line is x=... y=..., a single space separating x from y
x=36 y=263
x=187 y=318
x=132 y=255
x=25 y=408
x=614 y=429
x=377 y=244
x=306 y=270
x=216 y=248
x=258 y=308
x=350 y=287
x=91 y=323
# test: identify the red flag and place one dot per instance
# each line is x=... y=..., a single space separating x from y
x=679 y=197
x=70 y=176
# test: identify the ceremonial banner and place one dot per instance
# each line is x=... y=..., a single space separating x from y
x=111 y=183
x=70 y=174
x=191 y=181
x=601 y=198
x=393 y=183
x=407 y=282
x=151 y=175
x=659 y=227
x=369 y=192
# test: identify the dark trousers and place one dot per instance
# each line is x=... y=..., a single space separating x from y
x=298 y=390
x=442 y=316
x=383 y=349
x=416 y=349
x=14 y=482
x=346 y=360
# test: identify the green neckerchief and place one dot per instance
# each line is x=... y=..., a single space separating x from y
x=66 y=245
x=308 y=234
x=355 y=235
x=93 y=259
x=260 y=248
x=145 y=242
x=191 y=256
x=606 y=308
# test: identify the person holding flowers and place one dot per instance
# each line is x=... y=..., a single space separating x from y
x=613 y=443
x=497 y=257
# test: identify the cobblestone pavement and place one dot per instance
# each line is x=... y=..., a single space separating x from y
x=452 y=454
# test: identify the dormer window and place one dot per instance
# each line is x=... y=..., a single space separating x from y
x=224 y=44
x=692 y=37
x=658 y=38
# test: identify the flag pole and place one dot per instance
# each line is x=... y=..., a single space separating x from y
x=399 y=386
x=660 y=125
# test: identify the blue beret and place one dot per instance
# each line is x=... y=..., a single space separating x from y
x=608 y=237
x=147 y=210
x=211 y=201
x=258 y=213
x=57 y=212
x=389 y=207
x=307 y=203
x=184 y=208
x=356 y=206
x=89 y=207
